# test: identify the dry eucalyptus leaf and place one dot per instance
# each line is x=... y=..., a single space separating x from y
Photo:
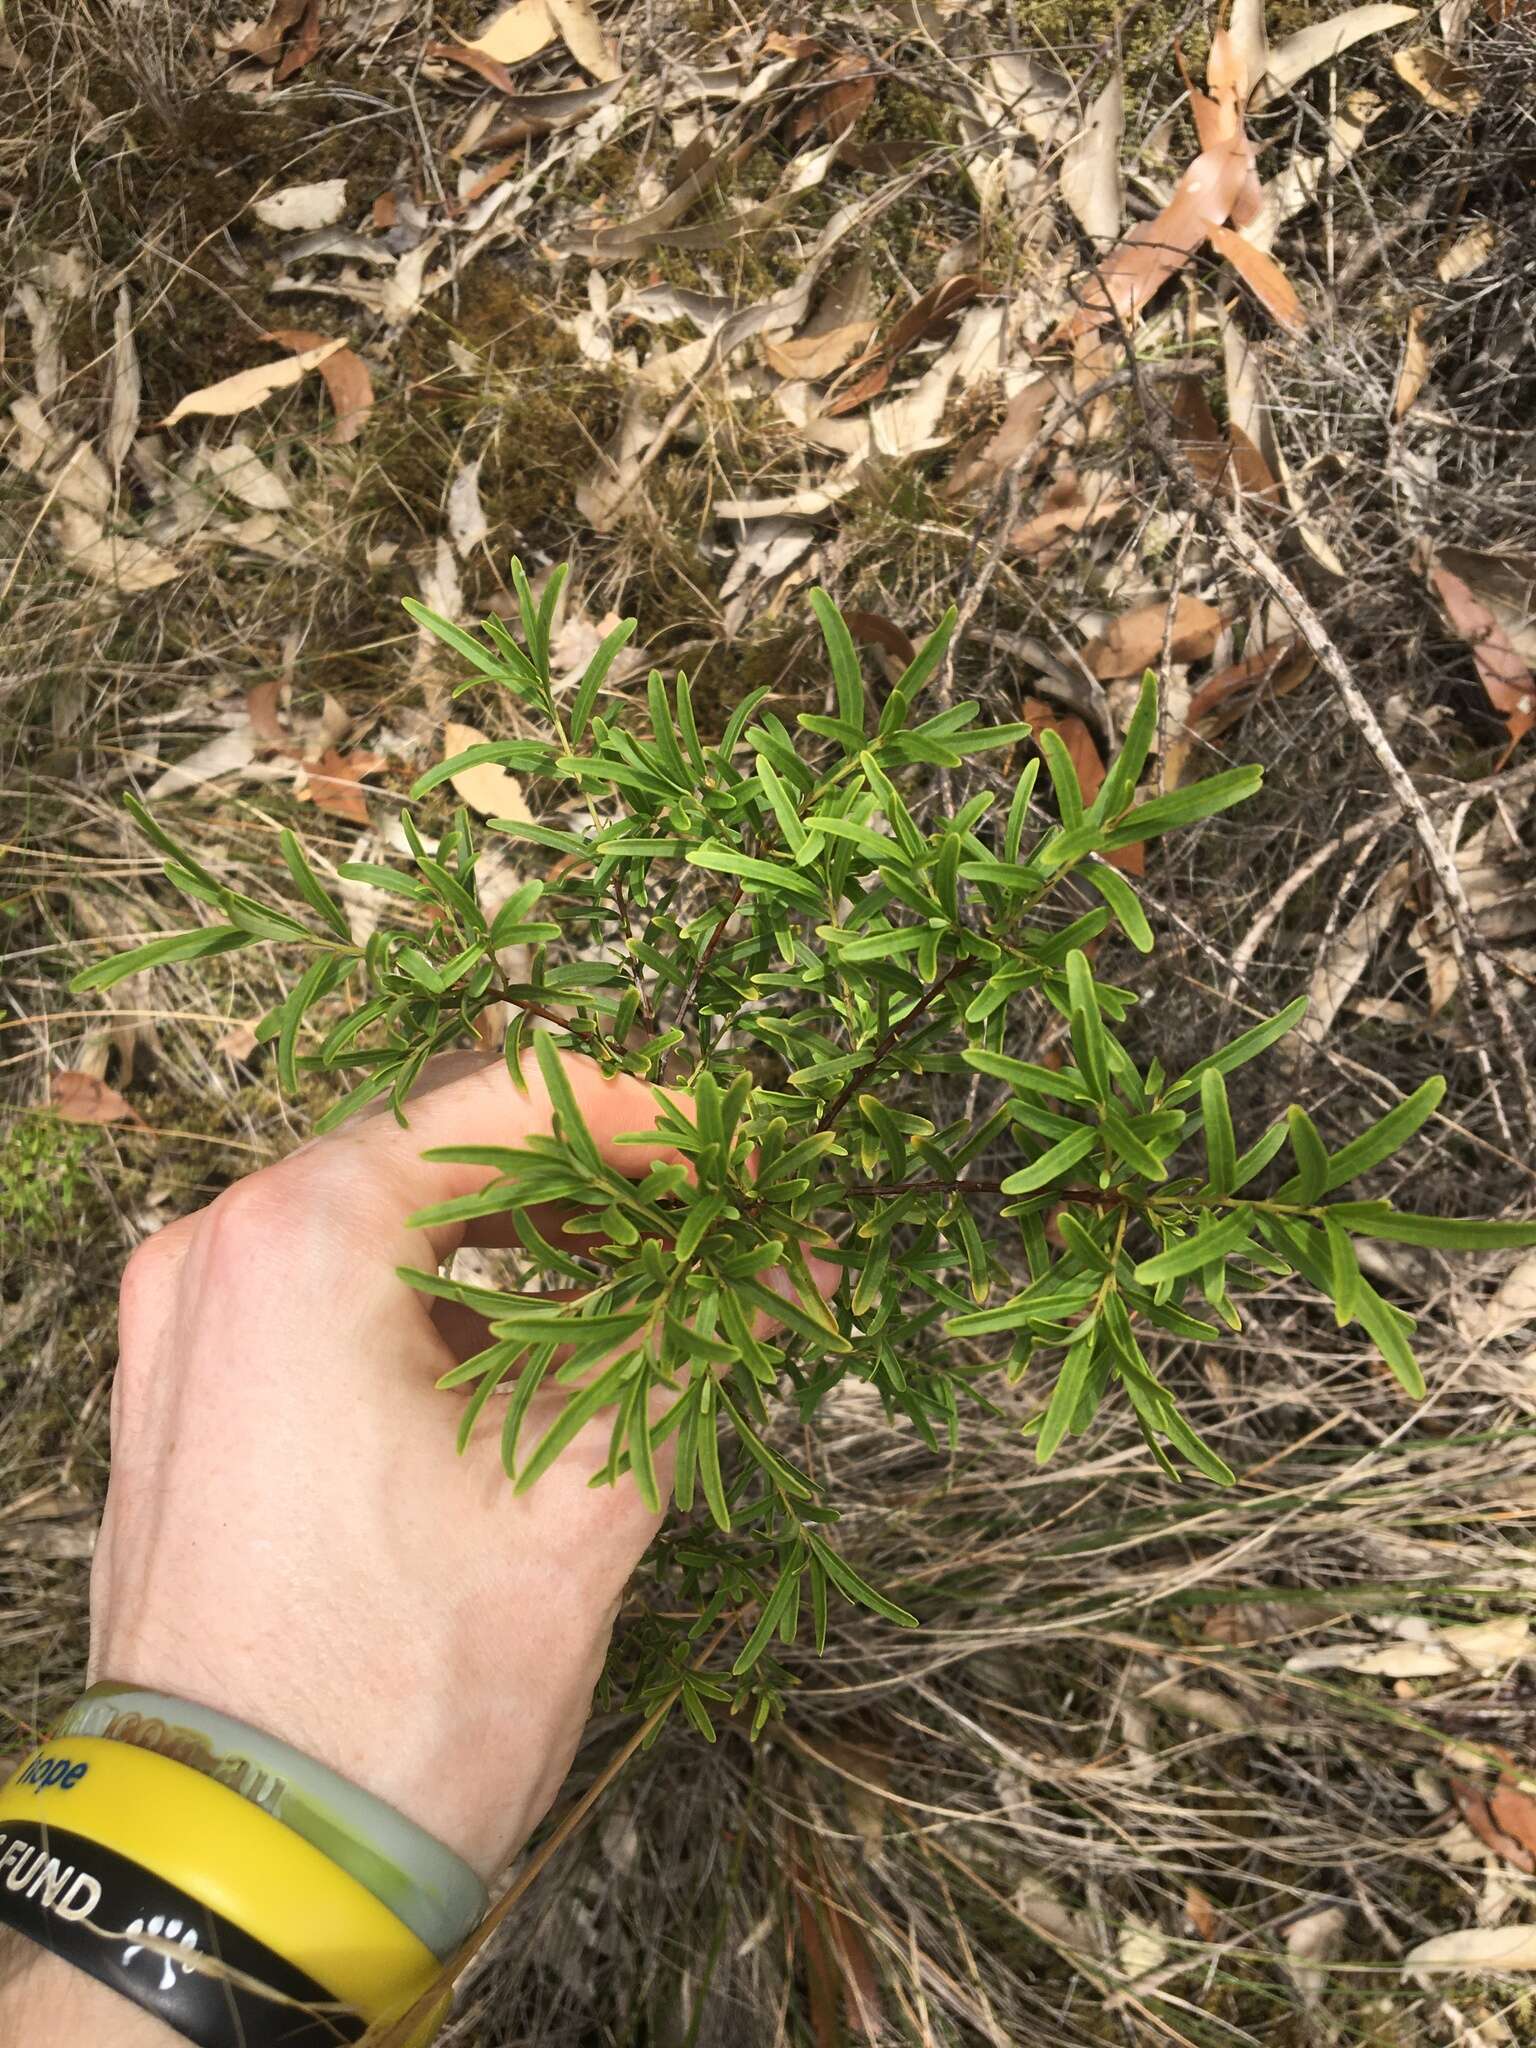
x=1134 y=641
x=1414 y=372
x=1476 y=1951
x=1467 y=253
x=127 y=387
x=83 y=1099
x=1437 y=79
x=239 y=470
x=516 y=34
x=1320 y=42
x=1263 y=276
x=295 y=208
x=333 y=783
x=34 y=439
x=250 y=387
x=467 y=523
x=347 y=381
x=1313 y=1940
x=129 y=565
x=487 y=789
x=1090 y=165
x=584 y=38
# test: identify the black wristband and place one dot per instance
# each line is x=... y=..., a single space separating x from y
x=91 y=1907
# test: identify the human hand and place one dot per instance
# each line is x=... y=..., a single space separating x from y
x=290 y=1536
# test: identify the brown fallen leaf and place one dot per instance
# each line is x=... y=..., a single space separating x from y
x=517 y=33
x=1080 y=744
x=249 y=387
x=842 y=101
x=1515 y=1812
x=333 y=783
x=1477 y=1812
x=932 y=315
x=815 y=356
x=1018 y=437
x=842 y=1985
x=1320 y=42
x=1216 y=691
x=303 y=46
x=1134 y=641
x=1414 y=371
x=1201 y=1914
x=264 y=43
x=480 y=61
x=1228 y=457
x=1136 y=269
x=1437 y=79
x=239 y=1042
x=82 y=1099
x=1509 y=683
x=874 y=629
x=1070 y=504
x=347 y=381
x=583 y=36
x=1263 y=276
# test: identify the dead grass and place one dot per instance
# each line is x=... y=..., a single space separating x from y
x=1090 y=1801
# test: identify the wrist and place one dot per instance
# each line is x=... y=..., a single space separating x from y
x=50 y=2004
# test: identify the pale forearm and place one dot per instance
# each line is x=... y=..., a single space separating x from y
x=49 y=2004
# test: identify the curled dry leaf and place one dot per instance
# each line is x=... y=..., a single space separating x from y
x=1509 y=683
x=1414 y=371
x=127 y=387
x=1201 y=1914
x=840 y=103
x=298 y=207
x=347 y=382
x=1477 y=1812
x=931 y=315
x=1350 y=952
x=249 y=387
x=304 y=44
x=1134 y=272
x=83 y=1099
x=1134 y=641
x=1437 y=79
x=1018 y=439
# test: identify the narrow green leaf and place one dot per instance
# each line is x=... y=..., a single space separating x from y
x=1311 y=1156
x=1122 y=900
x=310 y=887
x=849 y=683
x=1213 y=1240
x=596 y=674
x=1185 y=806
x=198 y=945
x=1052 y=1164
x=852 y=1587
x=1220 y=1142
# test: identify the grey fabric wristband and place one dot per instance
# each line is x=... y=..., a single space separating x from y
x=417 y=1877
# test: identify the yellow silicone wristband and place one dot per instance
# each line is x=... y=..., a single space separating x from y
x=233 y=1858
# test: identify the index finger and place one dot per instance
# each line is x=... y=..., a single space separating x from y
x=386 y=1179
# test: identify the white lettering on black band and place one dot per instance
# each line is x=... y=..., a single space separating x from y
x=153 y=1943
